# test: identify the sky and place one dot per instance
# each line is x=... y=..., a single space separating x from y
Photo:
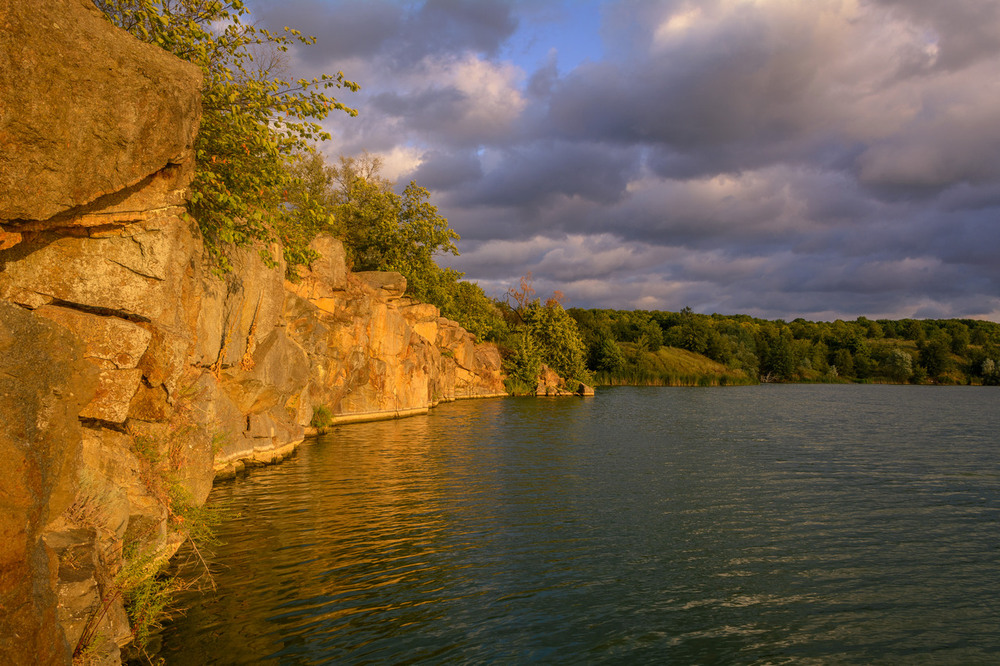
x=780 y=158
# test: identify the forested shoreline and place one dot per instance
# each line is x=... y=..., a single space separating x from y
x=642 y=347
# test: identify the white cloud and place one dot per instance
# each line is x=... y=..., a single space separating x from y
x=399 y=161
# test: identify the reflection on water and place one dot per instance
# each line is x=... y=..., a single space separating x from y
x=770 y=524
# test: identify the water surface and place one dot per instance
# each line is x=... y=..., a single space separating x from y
x=750 y=525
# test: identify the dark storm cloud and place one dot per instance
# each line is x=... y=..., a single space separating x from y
x=433 y=109
x=825 y=159
x=351 y=29
x=389 y=30
x=458 y=25
x=758 y=88
x=965 y=31
x=445 y=171
x=535 y=174
x=750 y=82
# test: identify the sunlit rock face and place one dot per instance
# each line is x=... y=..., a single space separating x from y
x=95 y=269
x=44 y=382
x=372 y=351
x=550 y=384
x=77 y=91
x=131 y=375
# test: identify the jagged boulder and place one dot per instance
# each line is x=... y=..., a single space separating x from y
x=325 y=276
x=387 y=284
x=85 y=109
x=551 y=384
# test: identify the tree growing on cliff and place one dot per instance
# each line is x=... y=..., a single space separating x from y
x=386 y=231
x=389 y=231
x=255 y=119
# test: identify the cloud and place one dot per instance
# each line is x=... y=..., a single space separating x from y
x=541 y=171
x=457 y=100
x=962 y=32
x=825 y=159
x=446 y=170
x=392 y=31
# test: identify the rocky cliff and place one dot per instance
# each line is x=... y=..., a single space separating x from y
x=131 y=376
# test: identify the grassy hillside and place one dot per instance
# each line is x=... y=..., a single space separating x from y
x=670 y=366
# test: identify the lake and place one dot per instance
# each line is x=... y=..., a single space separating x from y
x=768 y=524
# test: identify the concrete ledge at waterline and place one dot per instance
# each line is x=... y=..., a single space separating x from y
x=482 y=395
x=389 y=414
x=364 y=417
x=238 y=463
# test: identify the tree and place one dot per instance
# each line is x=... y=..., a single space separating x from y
x=777 y=360
x=607 y=356
x=898 y=365
x=475 y=311
x=553 y=334
x=557 y=337
x=934 y=354
x=385 y=231
x=959 y=337
x=844 y=362
x=522 y=362
x=990 y=372
x=254 y=121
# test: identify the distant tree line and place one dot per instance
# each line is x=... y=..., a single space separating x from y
x=941 y=351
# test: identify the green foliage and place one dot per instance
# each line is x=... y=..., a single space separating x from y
x=469 y=305
x=322 y=417
x=898 y=365
x=522 y=362
x=908 y=350
x=254 y=119
x=607 y=356
x=195 y=522
x=537 y=334
x=990 y=370
x=670 y=366
x=385 y=231
x=220 y=440
x=935 y=354
x=556 y=337
x=145 y=591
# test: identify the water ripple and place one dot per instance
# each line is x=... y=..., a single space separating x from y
x=756 y=525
